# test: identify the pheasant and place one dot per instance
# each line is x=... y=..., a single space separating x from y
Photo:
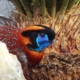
x=30 y=41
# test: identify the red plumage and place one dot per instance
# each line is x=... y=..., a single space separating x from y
x=9 y=35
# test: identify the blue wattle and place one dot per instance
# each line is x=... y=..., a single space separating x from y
x=42 y=42
x=43 y=46
x=41 y=39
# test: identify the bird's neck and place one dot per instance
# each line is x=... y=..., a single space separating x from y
x=33 y=57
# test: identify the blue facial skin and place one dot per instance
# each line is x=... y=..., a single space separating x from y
x=42 y=42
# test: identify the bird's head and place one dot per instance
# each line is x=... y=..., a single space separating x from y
x=36 y=39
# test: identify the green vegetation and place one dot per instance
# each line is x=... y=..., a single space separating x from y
x=46 y=7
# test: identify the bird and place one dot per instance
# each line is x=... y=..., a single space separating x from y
x=31 y=40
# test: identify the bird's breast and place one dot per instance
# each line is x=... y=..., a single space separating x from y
x=33 y=56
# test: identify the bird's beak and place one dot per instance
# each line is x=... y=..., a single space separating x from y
x=54 y=41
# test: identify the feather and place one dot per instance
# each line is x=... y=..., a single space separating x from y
x=31 y=40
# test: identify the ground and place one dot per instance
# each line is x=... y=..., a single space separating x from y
x=57 y=67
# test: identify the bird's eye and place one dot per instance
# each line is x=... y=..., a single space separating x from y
x=42 y=34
